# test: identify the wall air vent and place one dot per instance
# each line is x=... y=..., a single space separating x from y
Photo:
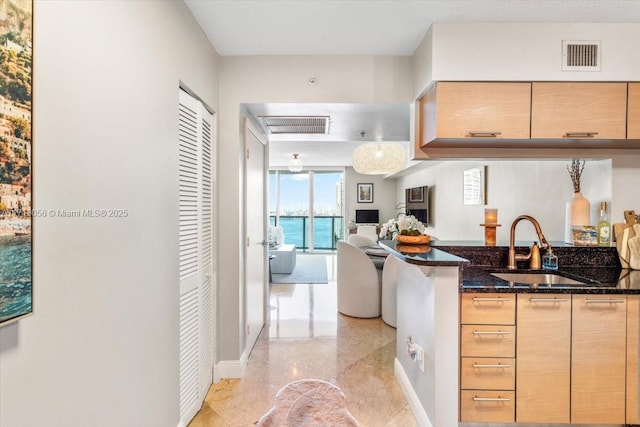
x=297 y=125
x=581 y=55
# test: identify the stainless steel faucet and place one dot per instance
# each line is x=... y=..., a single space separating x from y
x=513 y=257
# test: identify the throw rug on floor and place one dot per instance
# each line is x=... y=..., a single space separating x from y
x=309 y=403
x=309 y=269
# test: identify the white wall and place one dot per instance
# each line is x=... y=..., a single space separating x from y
x=503 y=51
x=537 y=188
x=384 y=195
x=261 y=79
x=102 y=346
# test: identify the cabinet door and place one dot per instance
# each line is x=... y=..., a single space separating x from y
x=598 y=359
x=543 y=352
x=477 y=110
x=579 y=110
x=633 y=114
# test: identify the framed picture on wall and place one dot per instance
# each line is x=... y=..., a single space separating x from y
x=16 y=49
x=474 y=186
x=365 y=193
x=416 y=195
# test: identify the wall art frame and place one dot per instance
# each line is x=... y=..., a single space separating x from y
x=16 y=71
x=474 y=186
x=365 y=192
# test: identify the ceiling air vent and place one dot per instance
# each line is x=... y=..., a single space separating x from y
x=300 y=125
x=581 y=55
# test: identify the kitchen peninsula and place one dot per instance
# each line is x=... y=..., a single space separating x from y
x=472 y=347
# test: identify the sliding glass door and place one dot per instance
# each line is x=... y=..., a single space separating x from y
x=309 y=207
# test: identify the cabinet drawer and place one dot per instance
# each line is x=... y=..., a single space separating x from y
x=488 y=309
x=487 y=340
x=487 y=373
x=487 y=406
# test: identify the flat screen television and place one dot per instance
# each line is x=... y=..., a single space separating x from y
x=367 y=216
x=421 y=215
x=417 y=203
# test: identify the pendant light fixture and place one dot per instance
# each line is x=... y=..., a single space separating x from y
x=295 y=165
x=379 y=158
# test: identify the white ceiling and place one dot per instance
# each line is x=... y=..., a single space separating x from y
x=374 y=27
x=364 y=27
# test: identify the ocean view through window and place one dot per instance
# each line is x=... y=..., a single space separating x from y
x=297 y=200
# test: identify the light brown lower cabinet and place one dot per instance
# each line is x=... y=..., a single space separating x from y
x=598 y=359
x=543 y=354
x=576 y=361
x=633 y=356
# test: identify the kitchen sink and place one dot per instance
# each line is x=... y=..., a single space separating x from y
x=538 y=278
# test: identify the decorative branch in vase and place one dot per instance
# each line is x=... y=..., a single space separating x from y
x=575 y=172
x=578 y=208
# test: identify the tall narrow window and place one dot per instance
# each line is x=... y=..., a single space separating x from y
x=309 y=207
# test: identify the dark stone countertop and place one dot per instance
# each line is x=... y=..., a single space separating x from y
x=599 y=267
x=423 y=254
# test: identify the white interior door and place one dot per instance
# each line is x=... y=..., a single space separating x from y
x=195 y=226
x=255 y=239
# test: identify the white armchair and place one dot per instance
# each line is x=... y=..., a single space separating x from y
x=361 y=241
x=358 y=283
x=368 y=231
x=390 y=291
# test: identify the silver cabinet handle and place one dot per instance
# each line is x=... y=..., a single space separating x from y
x=479 y=366
x=491 y=399
x=579 y=134
x=604 y=301
x=484 y=134
x=548 y=300
x=491 y=333
x=498 y=299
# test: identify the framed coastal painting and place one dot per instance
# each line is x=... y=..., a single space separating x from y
x=16 y=38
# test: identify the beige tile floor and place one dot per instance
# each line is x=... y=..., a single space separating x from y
x=307 y=338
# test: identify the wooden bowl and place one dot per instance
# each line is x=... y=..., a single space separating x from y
x=413 y=249
x=413 y=240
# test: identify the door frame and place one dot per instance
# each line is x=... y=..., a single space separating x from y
x=249 y=126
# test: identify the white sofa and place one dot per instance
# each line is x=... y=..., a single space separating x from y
x=358 y=282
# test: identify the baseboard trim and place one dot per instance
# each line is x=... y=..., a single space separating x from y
x=412 y=398
x=230 y=368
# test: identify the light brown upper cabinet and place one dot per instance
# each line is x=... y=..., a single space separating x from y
x=633 y=117
x=488 y=110
x=578 y=110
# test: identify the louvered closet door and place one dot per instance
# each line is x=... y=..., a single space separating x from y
x=196 y=305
